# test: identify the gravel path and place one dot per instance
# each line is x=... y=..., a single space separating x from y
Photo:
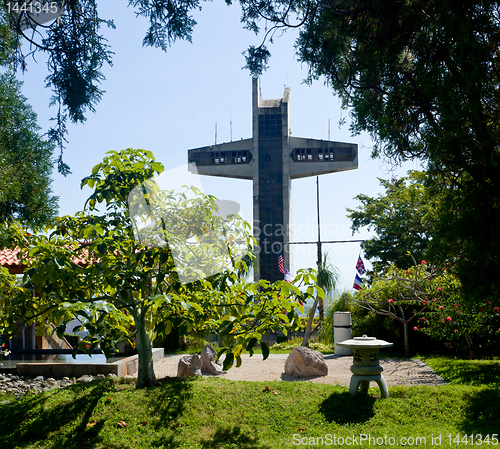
x=396 y=372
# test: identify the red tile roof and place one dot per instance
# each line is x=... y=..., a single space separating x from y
x=8 y=259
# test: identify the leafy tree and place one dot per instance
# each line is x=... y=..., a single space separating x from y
x=402 y=296
x=403 y=219
x=77 y=50
x=327 y=282
x=93 y=268
x=25 y=161
x=422 y=78
x=460 y=324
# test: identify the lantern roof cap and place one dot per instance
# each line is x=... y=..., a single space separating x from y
x=365 y=342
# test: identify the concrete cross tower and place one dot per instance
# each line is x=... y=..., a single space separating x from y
x=272 y=158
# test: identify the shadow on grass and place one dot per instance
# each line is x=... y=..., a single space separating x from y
x=31 y=419
x=231 y=437
x=342 y=408
x=167 y=400
x=480 y=415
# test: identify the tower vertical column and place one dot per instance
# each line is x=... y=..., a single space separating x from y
x=272 y=192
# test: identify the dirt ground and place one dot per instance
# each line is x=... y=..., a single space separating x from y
x=396 y=372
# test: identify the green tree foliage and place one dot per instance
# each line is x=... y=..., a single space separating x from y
x=402 y=218
x=327 y=282
x=25 y=161
x=431 y=301
x=77 y=51
x=401 y=295
x=90 y=267
x=422 y=78
x=459 y=324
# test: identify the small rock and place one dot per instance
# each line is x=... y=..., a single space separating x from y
x=208 y=363
x=101 y=376
x=304 y=362
x=189 y=365
x=85 y=378
x=39 y=379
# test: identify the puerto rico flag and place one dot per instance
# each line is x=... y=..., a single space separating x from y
x=360 y=266
x=357 y=283
x=281 y=265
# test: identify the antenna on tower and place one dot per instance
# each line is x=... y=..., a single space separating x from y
x=230 y=124
x=328 y=129
x=215 y=133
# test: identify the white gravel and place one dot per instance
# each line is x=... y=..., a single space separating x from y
x=396 y=372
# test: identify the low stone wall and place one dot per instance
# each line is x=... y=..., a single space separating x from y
x=123 y=367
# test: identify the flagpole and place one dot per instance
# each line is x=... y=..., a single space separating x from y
x=319 y=227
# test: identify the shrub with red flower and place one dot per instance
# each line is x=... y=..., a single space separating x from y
x=472 y=322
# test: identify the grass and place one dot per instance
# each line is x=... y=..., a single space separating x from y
x=465 y=372
x=216 y=413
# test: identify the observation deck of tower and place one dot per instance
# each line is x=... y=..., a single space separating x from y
x=271 y=159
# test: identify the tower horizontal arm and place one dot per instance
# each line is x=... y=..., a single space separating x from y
x=311 y=157
x=229 y=160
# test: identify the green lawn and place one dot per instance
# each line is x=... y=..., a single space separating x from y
x=216 y=413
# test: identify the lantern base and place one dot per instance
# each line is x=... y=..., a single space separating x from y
x=362 y=383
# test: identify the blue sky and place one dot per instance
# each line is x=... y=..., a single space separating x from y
x=170 y=102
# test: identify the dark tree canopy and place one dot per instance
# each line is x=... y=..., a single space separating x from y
x=25 y=160
x=422 y=78
x=402 y=219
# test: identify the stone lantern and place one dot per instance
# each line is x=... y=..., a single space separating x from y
x=366 y=367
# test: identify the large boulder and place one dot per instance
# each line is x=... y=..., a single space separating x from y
x=189 y=365
x=208 y=363
x=305 y=362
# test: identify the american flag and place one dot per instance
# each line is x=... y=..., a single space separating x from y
x=360 y=266
x=281 y=265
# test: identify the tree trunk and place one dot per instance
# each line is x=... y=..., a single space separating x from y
x=321 y=310
x=145 y=374
x=470 y=346
x=308 y=332
x=407 y=343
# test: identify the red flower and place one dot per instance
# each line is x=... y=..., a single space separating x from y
x=423 y=262
x=391 y=301
x=495 y=309
x=424 y=302
x=415 y=328
x=407 y=272
x=440 y=307
x=439 y=288
x=449 y=318
x=435 y=300
x=456 y=331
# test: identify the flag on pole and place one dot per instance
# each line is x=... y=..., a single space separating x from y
x=360 y=266
x=357 y=283
x=288 y=276
x=281 y=265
